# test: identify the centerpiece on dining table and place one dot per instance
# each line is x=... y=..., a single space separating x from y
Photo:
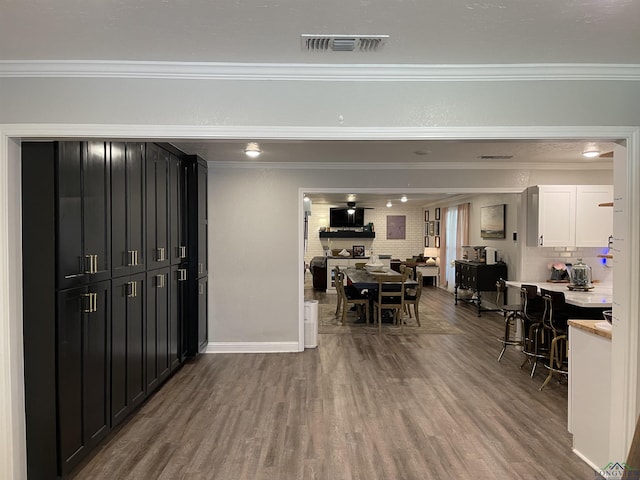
x=374 y=264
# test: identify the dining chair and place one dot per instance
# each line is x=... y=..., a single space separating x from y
x=391 y=290
x=412 y=297
x=345 y=300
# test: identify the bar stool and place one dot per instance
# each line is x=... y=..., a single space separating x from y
x=555 y=321
x=512 y=316
x=534 y=343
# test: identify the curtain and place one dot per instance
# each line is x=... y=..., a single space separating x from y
x=462 y=237
x=451 y=249
x=442 y=273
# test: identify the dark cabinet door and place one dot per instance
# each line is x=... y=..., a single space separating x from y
x=157 y=185
x=202 y=219
x=177 y=210
x=127 y=345
x=157 y=327
x=176 y=315
x=84 y=213
x=83 y=339
x=127 y=207
x=202 y=315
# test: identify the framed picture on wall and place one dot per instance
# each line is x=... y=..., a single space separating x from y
x=492 y=220
x=437 y=242
x=426 y=241
x=437 y=229
x=438 y=213
x=432 y=228
x=358 y=251
x=426 y=215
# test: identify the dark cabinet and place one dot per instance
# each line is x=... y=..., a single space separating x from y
x=195 y=329
x=83 y=339
x=127 y=345
x=157 y=327
x=157 y=185
x=127 y=207
x=477 y=277
x=84 y=216
x=114 y=287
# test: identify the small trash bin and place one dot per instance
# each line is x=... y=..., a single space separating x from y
x=311 y=324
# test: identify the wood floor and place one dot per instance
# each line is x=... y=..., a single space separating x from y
x=360 y=406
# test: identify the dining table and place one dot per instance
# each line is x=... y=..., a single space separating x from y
x=363 y=280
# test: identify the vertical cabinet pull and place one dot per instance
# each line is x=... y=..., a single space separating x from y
x=610 y=242
x=90 y=301
x=200 y=268
x=182 y=252
x=133 y=258
x=182 y=274
x=91 y=264
x=160 y=254
x=201 y=289
x=159 y=281
x=541 y=241
x=131 y=289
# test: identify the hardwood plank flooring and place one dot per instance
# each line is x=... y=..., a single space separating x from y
x=359 y=407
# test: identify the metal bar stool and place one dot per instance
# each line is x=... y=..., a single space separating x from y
x=535 y=341
x=512 y=315
x=555 y=321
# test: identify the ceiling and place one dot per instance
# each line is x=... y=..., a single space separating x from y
x=258 y=33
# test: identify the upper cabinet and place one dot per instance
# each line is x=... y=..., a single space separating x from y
x=569 y=215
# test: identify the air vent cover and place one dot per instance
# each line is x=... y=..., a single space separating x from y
x=495 y=157
x=342 y=43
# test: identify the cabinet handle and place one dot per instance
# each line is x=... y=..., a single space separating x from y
x=201 y=289
x=88 y=262
x=132 y=257
x=610 y=242
x=541 y=242
x=95 y=264
x=87 y=307
x=182 y=274
x=160 y=254
x=200 y=268
x=92 y=300
x=131 y=292
x=182 y=251
x=159 y=281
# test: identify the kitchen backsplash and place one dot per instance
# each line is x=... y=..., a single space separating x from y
x=537 y=259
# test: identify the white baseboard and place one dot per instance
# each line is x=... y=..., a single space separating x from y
x=252 y=347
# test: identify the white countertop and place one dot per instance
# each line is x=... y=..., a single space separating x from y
x=600 y=297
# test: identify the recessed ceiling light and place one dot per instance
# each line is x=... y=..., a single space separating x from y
x=252 y=150
x=403 y=199
x=591 y=153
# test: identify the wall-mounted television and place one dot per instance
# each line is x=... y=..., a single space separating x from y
x=341 y=218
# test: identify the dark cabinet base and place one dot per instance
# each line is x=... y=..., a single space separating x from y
x=476 y=278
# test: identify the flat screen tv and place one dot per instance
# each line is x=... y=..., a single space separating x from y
x=340 y=218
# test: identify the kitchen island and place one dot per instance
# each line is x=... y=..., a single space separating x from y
x=601 y=296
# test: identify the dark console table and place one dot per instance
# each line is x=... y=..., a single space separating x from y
x=477 y=277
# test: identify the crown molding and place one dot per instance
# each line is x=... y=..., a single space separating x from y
x=317 y=72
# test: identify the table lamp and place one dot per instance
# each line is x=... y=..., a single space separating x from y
x=431 y=254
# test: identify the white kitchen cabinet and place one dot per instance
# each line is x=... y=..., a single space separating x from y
x=589 y=396
x=345 y=263
x=569 y=215
x=594 y=224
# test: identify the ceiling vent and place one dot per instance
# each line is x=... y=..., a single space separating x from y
x=495 y=157
x=342 y=43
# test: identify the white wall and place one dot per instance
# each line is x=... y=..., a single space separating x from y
x=255 y=262
x=413 y=243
